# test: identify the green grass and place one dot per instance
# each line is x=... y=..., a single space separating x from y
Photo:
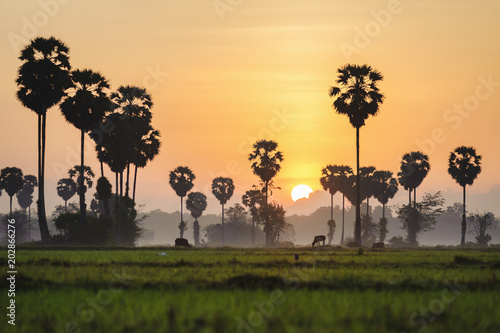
x=215 y=290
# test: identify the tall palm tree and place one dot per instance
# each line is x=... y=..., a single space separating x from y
x=343 y=172
x=42 y=80
x=464 y=165
x=328 y=181
x=85 y=106
x=358 y=98
x=12 y=181
x=181 y=180
x=30 y=182
x=222 y=189
x=66 y=189
x=386 y=188
x=253 y=199
x=414 y=168
x=266 y=164
x=134 y=105
x=147 y=148
x=196 y=203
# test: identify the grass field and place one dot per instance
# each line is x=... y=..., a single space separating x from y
x=258 y=290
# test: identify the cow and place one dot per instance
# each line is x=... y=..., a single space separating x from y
x=318 y=239
x=182 y=242
x=378 y=246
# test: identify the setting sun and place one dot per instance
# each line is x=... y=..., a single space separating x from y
x=301 y=191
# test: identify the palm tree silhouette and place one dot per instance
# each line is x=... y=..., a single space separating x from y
x=66 y=189
x=266 y=164
x=386 y=188
x=414 y=168
x=12 y=181
x=85 y=106
x=84 y=176
x=30 y=182
x=328 y=181
x=368 y=187
x=464 y=165
x=134 y=103
x=196 y=203
x=104 y=192
x=222 y=189
x=147 y=148
x=253 y=199
x=42 y=80
x=358 y=98
x=181 y=180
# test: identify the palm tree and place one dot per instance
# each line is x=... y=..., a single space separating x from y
x=148 y=147
x=134 y=103
x=30 y=182
x=342 y=174
x=196 y=203
x=85 y=106
x=104 y=192
x=253 y=199
x=84 y=176
x=42 y=80
x=66 y=189
x=414 y=168
x=358 y=98
x=181 y=180
x=367 y=186
x=386 y=188
x=222 y=189
x=328 y=181
x=464 y=165
x=12 y=181
x=266 y=164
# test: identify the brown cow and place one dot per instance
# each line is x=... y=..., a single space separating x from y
x=182 y=242
x=378 y=246
x=318 y=239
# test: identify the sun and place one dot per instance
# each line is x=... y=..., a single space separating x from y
x=301 y=191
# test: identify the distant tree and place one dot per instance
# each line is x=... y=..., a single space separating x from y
x=12 y=181
x=342 y=174
x=358 y=98
x=368 y=186
x=266 y=161
x=253 y=199
x=331 y=230
x=147 y=148
x=421 y=216
x=481 y=223
x=196 y=203
x=464 y=165
x=369 y=234
x=414 y=168
x=222 y=189
x=276 y=223
x=66 y=189
x=83 y=178
x=85 y=106
x=26 y=196
x=181 y=181
x=385 y=189
x=104 y=192
x=42 y=80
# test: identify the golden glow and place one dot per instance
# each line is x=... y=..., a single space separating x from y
x=301 y=191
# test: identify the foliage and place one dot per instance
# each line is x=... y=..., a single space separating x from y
x=266 y=159
x=97 y=232
x=421 y=217
x=464 y=165
x=414 y=168
x=369 y=230
x=11 y=180
x=382 y=228
x=181 y=180
x=272 y=218
x=183 y=226
x=82 y=176
x=127 y=227
x=398 y=241
x=196 y=203
x=331 y=229
x=481 y=223
x=66 y=188
x=386 y=186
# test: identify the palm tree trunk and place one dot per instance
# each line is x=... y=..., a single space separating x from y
x=357 y=226
x=409 y=197
x=223 y=241
x=415 y=197
x=464 y=223
x=127 y=182
x=116 y=188
x=253 y=231
x=331 y=207
x=42 y=218
x=10 y=215
x=121 y=184
x=65 y=206
x=343 y=212
x=83 y=209
x=267 y=217
x=367 y=207
x=181 y=211
x=135 y=180
x=29 y=222
x=383 y=211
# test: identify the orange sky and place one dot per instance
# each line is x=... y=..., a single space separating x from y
x=230 y=75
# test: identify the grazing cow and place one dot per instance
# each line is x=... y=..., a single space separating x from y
x=319 y=239
x=182 y=242
x=378 y=246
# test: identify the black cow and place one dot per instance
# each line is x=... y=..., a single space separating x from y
x=378 y=246
x=318 y=239
x=182 y=242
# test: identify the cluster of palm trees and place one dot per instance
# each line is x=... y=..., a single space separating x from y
x=45 y=79
x=358 y=96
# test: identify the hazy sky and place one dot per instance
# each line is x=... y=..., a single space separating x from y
x=223 y=74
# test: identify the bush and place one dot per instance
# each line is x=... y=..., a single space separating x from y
x=97 y=231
